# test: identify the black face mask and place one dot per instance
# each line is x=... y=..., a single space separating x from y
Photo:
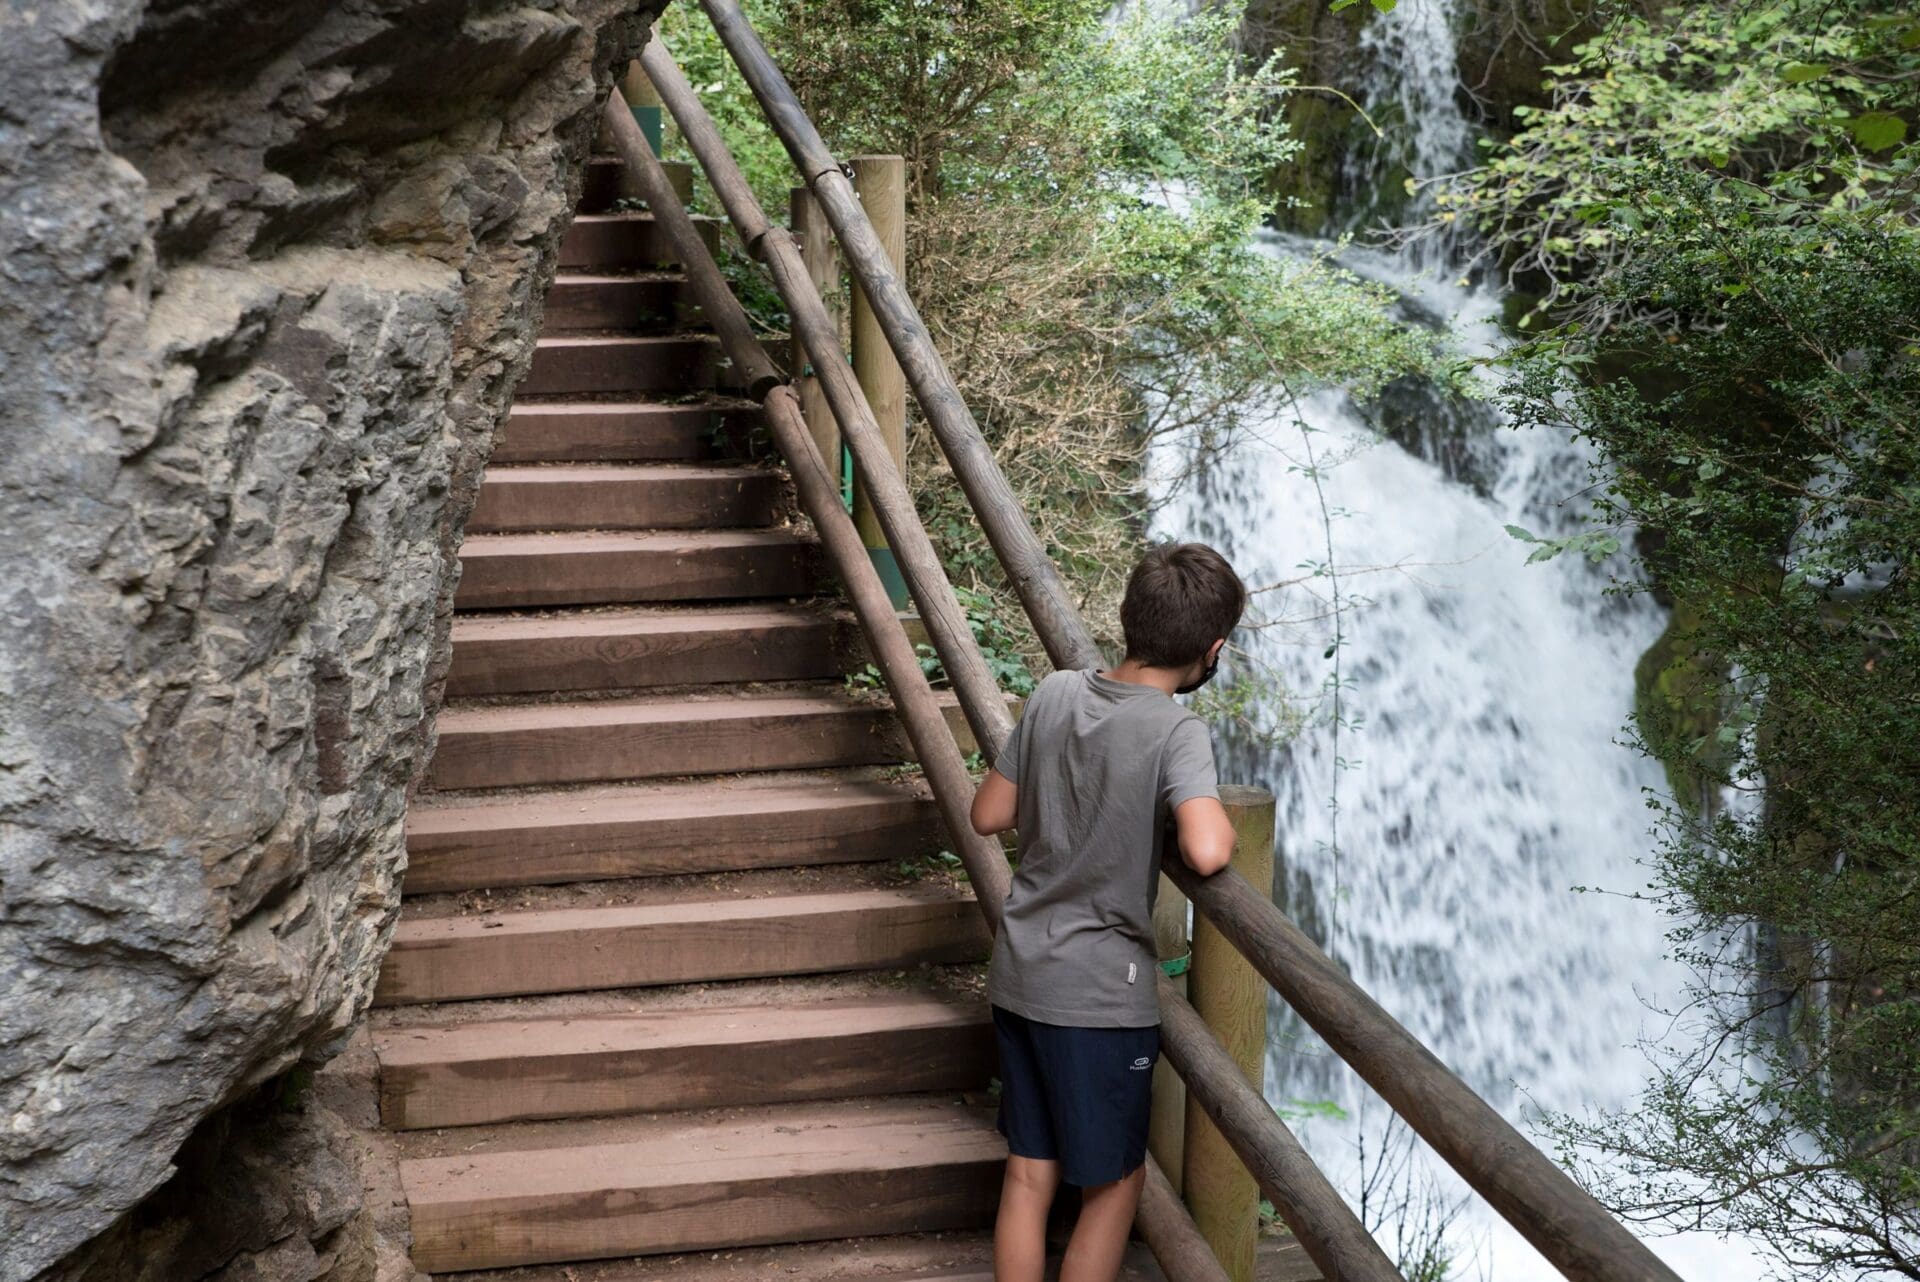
x=1213 y=666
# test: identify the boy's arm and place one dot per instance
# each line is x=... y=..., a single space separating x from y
x=996 y=804
x=1191 y=790
x=1204 y=832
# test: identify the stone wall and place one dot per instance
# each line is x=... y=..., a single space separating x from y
x=268 y=273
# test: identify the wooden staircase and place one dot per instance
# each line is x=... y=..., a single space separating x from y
x=672 y=973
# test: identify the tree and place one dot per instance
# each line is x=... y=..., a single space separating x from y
x=1084 y=215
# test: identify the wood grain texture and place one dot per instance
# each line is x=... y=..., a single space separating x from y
x=876 y=461
x=1562 y=1221
x=602 y=431
x=1231 y=998
x=648 y=738
x=624 y=241
x=616 y=649
x=706 y=826
x=517 y=1070
x=579 y=949
x=881 y=182
x=870 y=1170
x=1329 y=1230
x=577 y=364
x=597 y=300
x=614 y=496
x=519 y=570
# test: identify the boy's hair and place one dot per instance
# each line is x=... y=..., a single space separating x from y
x=1181 y=598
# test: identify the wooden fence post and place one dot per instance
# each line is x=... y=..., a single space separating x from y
x=881 y=183
x=818 y=255
x=643 y=102
x=1231 y=997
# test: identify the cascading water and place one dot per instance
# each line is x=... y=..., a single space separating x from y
x=1434 y=833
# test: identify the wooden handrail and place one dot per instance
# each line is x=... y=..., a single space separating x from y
x=1324 y=1215
x=1561 y=1219
x=1170 y=1232
x=819 y=491
x=1325 y=1225
x=1549 y=1209
x=940 y=610
x=1035 y=579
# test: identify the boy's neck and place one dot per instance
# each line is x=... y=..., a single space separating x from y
x=1136 y=673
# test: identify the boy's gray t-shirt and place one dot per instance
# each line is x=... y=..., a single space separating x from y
x=1099 y=764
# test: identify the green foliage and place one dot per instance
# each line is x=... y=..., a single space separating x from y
x=1754 y=406
x=763 y=160
x=1719 y=203
x=1810 y=101
x=1084 y=202
x=942 y=863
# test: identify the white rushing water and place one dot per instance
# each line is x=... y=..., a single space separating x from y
x=1480 y=775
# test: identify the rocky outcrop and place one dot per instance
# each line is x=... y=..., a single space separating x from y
x=268 y=273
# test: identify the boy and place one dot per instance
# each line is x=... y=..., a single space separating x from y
x=1091 y=772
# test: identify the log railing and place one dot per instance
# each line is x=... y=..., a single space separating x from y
x=1558 y=1217
x=1291 y=1179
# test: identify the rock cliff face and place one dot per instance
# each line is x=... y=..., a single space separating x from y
x=268 y=273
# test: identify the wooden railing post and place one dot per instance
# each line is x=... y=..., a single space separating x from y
x=643 y=103
x=1231 y=997
x=881 y=184
x=822 y=263
x=1167 y=1125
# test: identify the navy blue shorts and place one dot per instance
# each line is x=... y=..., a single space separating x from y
x=1076 y=1096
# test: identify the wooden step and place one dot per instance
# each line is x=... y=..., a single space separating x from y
x=603 y=431
x=506 y=571
x=783 y=1177
x=601 y=184
x=651 y=737
x=588 y=300
x=564 y=950
x=650 y=830
x=630 y=364
x=657 y=1061
x=952 y=1256
x=648 y=646
x=610 y=496
x=625 y=241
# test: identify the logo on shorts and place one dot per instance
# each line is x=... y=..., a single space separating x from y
x=1145 y=1061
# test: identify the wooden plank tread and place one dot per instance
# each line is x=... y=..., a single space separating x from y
x=459 y=842
x=856 y=1138
x=721 y=913
x=407 y=1046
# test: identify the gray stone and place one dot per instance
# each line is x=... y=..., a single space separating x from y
x=267 y=276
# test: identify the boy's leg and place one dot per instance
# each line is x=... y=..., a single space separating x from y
x=1100 y=1089
x=1033 y=1160
x=1100 y=1237
x=1020 y=1232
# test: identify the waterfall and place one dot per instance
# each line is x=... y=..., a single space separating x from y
x=1478 y=769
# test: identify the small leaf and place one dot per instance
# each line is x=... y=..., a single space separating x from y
x=1798 y=73
x=1525 y=536
x=1384 y=6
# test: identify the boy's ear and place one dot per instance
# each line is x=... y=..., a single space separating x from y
x=1213 y=651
